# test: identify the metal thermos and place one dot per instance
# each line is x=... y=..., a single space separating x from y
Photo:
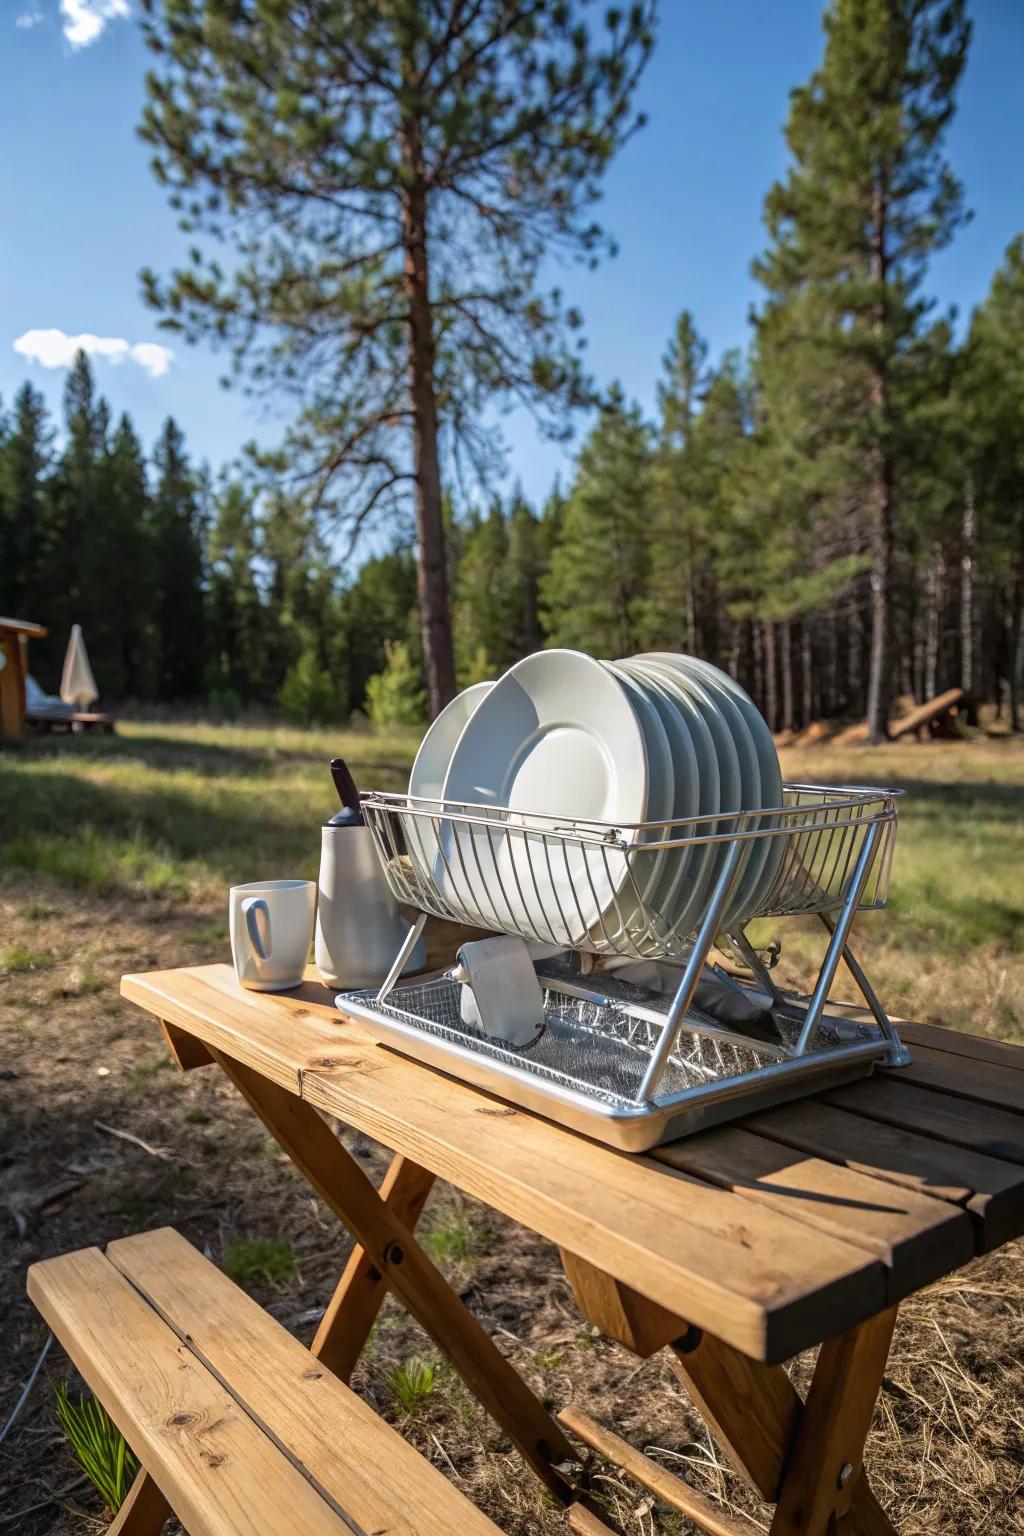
x=359 y=929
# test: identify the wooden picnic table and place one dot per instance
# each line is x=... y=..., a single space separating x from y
x=733 y=1250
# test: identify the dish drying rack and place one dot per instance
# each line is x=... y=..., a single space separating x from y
x=618 y=1060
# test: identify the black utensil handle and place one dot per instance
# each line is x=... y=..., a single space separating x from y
x=344 y=783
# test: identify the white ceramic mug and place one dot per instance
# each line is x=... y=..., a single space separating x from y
x=271 y=923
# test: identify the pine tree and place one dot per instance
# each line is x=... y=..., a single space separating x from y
x=594 y=593
x=481 y=611
x=132 y=596
x=24 y=463
x=867 y=200
x=235 y=630
x=992 y=399
x=178 y=547
x=392 y=178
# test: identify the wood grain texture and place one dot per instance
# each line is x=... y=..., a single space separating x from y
x=218 y=1470
x=1001 y=1053
x=345 y=1188
x=363 y=1468
x=964 y=1077
x=675 y=1493
x=917 y=1238
x=989 y=1189
x=755 y=1414
x=824 y=1469
x=620 y=1313
x=729 y=1253
x=583 y=1522
x=995 y=1132
x=359 y=1294
x=144 y=1512
x=745 y=1272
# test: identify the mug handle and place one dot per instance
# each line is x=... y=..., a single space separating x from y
x=251 y=907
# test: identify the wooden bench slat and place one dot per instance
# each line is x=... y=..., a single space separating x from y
x=991 y=1190
x=963 y=1077
x=211 y=1461
x=362 y=1466
x=917 y=1238
x=744 y=1272
x=996 y=1132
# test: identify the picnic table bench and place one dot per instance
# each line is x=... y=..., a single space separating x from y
x=732 y=1250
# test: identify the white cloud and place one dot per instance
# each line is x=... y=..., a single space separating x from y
x=85 y=20
x=55 y=349
x=28 y=19
x=153 y=357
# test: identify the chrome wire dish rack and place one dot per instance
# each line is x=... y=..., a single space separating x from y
x=627 y=1063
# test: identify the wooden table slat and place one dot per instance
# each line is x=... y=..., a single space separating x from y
x=1001 y=1053
x=991 y=1190
x=917 y=1238
x=893 y=1100
x=963 y=1077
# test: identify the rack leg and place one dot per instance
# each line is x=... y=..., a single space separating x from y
x=746 y=952
x=833 y=954
x=706 y=935
x=899 y=1055
x=402 y=958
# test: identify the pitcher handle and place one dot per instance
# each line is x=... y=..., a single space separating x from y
x=252 y=906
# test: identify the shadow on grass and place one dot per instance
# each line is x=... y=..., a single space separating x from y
x=117 y=837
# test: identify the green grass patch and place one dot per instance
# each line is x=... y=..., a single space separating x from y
x=250 y=1261
x=450 y=1238
x=17 y=958
x=412 y=1385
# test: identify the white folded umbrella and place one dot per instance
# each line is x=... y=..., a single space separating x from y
x=77 y=684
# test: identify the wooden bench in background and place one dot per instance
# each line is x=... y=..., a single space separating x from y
x=236 y=1426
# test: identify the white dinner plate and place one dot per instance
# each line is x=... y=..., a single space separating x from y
x=431 y=762
x=556 y=737
x=647 y=867
x=695 y=887
x=755 y=889
x=663 y=895
x=426 y=781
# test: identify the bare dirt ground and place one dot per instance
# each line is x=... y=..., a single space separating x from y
x=947 y=1447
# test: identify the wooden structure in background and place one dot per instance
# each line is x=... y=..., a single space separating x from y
x=731 y=1251
x=14 y=637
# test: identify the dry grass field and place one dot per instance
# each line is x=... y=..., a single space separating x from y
x=115 y=855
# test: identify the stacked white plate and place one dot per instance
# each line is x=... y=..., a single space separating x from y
x=657 y=738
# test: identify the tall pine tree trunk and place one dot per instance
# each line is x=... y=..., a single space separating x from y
x=787 y=675
x=882 y=495
x=806 y=673
x=771 y=708
x=1014 y=648
x=933 y=622
x=968 y=678
x=431 y=571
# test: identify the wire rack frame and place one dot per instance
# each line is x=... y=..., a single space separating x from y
x=599 y=888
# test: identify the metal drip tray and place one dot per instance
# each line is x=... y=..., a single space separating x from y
x=587 y=1067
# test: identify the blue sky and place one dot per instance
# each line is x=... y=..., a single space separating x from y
x=81 y=213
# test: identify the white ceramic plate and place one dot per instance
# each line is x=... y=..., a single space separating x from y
x=556 y=736
x=426 y=781
x=663 y=894
x=647 y=867
x=694 y=887
x=431 y=762
x=755 y=890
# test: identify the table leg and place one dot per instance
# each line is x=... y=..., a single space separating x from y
x=760 y=1420
x=144 y=1512
x=806 y=1457
x=345 y=1188
x=359 y=1295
